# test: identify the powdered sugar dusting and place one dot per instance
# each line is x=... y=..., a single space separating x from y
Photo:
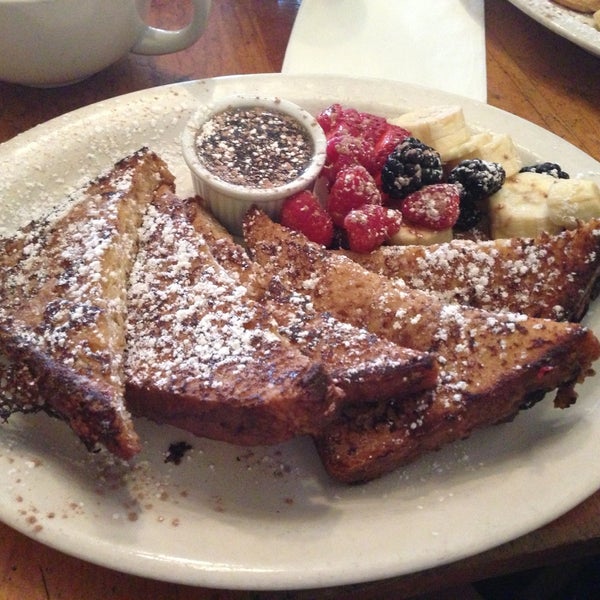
x=63 y=307
x=63 y=264
x=544 y=277
x=187 y=317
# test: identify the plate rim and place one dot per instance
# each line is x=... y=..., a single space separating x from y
x=562 y=28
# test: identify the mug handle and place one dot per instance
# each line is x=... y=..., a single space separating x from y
x=163 y=41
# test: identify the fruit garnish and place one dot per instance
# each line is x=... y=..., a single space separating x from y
x=336 y=119
x=409 y=167
x=329 y=117
x=479 y=178
x=353 y=187
x=370 y=226
x=344 y=150
x=435 y=206
x=547 y=168
x=302 y=212
x=385 y=145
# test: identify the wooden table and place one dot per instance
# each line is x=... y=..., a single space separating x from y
x=531 y=73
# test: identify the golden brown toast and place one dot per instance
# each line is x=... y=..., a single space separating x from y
x=205 y=357
x=551 y=276
x=63 y=303
x=491 y=364
x=360 y=363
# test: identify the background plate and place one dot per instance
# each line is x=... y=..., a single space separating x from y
x=269 y=518
x=574 y=26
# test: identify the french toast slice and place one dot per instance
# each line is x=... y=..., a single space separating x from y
x=363 y=365
x=205 y=357
x=550 y=276
x=491 y=364
x=63 y=305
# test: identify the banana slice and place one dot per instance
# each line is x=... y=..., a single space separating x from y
x=499 y=148
x=481 y=139
x=452 y=155
x=472 y=148
x=573 y=200
x=520 y=207
x=530 y=203
x=409 y=236
x=441 y=127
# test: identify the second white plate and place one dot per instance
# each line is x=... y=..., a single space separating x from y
x=574 y=26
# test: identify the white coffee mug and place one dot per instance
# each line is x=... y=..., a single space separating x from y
x=57 y=42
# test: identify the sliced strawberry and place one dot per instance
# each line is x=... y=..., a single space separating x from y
x=302 y=212
x=434 y=206
x=329 y=117
x=353 y=187
x=349 y=121
x=370 y=226
x=390 y=138
x=368 y=126
x=375 y=127
x=337 y=119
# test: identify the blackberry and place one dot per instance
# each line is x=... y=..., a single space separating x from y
x=469 y=216
x=547 y=168
x=479 y=178
x=410 y=166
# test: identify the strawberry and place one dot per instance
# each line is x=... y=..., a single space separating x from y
x=302 y=212
x=329 y=117
x=336 y=119
x=369 y=226
x=350 y=122
x=353 y=187
x=389 y=139
x=393 y=221
x=343 y=150
x=373 y=127
x=434 y=206
x=365 y=125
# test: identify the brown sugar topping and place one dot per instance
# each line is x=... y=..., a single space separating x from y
x=254 y=147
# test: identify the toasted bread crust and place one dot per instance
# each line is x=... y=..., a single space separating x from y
x=360 y=363
x=62 y=286
x=491 y=364
x=87 y=404
x=551 y=276
x=367 y=442
x=204 y=356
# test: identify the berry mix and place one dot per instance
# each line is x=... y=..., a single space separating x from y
x=379 y=177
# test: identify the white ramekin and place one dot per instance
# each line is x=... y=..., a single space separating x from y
x=230 y=202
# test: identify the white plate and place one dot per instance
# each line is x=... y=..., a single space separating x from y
x=269 y=518
x=574 y=26
x=404 y=41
